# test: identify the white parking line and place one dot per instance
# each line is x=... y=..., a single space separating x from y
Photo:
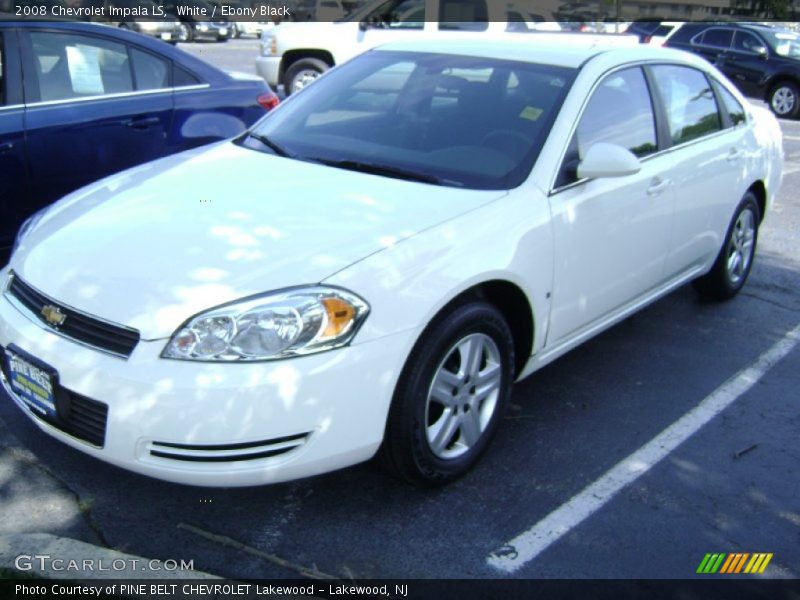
x=528 y=545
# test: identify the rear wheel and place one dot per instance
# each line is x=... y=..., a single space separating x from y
x=783 y=99
x=733 y=264
x=302 y=73
x=451 y=396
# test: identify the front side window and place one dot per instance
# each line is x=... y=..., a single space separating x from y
x=689 y=100
x=75 y=66
x=453 y=120
x=747 y=42
x=619 y=112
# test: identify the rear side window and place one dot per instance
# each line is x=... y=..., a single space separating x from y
x=732 y=105
x=152 y=73
x=689 y=100
x=75 y=66
x=619 y=112
x=718 y=38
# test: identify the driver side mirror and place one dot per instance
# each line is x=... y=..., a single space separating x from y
x=762 y=52
x=608 y=160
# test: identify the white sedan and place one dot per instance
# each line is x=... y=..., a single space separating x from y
x=418 y=229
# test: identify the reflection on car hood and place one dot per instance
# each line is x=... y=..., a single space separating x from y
x=154 y=245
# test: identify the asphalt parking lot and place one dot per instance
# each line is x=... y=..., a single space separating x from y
x=730 y=487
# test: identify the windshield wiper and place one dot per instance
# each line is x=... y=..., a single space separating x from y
x=386 y=170
x=274 y=146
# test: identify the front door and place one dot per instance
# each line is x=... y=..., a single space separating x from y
x=611 y=234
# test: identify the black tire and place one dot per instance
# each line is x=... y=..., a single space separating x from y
x=784 y=99
x=720 y=283
x=186 y=33
x=300 y=69
x=406 y=450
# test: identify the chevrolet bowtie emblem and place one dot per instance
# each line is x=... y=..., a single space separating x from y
x=53 y=315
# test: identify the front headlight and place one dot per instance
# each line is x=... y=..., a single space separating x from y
x=269 y=327
x=269 y=45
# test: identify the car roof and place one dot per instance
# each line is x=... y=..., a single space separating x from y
x=544 y=49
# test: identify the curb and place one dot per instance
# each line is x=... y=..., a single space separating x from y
x=53 y=557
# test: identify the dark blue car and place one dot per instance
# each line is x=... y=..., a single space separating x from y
x=79 y=101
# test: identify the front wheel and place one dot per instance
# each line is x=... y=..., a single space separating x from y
x=451 y=396
x=733 y=264
x=783 y=100
x=302 y=73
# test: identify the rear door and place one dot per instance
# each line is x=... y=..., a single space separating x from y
x=13 y=167
x=709 y=154
x=95 y=106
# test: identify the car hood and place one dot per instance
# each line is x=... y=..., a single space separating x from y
x=157 y=244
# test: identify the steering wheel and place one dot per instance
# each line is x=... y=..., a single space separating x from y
x=509 y=142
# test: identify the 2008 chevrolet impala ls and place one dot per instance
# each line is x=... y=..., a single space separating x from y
x=408 y=236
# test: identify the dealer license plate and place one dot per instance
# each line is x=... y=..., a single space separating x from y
x=33 y=384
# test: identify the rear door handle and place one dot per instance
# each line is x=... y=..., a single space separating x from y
x=142 y=122
x=657 y=185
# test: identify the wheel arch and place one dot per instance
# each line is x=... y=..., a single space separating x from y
x=776 y=80
x=514 y=305
x=292 y=56
x=760 y=191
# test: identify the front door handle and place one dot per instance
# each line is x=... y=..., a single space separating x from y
x=734 y=155
x=657 y=185
x=7 y=147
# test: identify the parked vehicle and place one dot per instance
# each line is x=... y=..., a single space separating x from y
x=145 y=17
x=198 y=20
x=660 y=34
x=296 y=54
x=97 y=100
x=423 y=226
x=763 y=61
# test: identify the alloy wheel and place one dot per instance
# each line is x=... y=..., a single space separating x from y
x=740 y=246
x=463 y=396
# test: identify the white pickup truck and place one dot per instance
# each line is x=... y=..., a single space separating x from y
x=294 y=54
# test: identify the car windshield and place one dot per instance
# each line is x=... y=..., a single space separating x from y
x=455 y=120
x=785 y=43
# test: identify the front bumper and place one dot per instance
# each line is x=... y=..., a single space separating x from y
x=269 y=68
x=223 y=425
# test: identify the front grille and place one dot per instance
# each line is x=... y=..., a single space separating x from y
x=77 y=415
x=227 y=452
x=77 y=326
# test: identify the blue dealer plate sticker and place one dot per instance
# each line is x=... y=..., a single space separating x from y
x=32 y=384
